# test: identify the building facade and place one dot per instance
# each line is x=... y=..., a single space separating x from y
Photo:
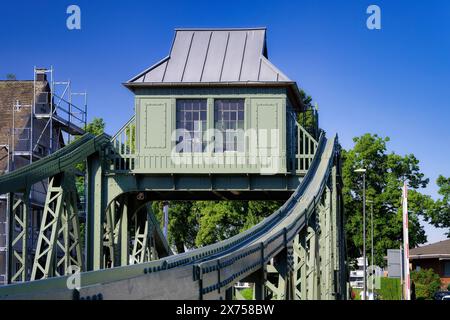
x=434 y=256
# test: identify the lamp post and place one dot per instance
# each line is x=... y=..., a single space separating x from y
x=166 y=218
x=371 y=245
x=363 y=171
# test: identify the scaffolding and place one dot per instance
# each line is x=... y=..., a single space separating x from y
x=53 y=104
x=40 y=127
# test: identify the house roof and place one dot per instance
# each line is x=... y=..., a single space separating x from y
x=214 y=56
x=439 y=249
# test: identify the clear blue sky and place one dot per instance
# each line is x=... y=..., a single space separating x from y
x=394 y=81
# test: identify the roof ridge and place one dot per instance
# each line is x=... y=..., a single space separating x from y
x=220 y=29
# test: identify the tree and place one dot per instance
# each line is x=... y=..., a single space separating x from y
x=96 y=126
x=384 y=179
x=11 y=76
x=219 y=220
x=438 y=213
x=308 y=118
x=199 y=223
x=183 y=223
x=427 y=282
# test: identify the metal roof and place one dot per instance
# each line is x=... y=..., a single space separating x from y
x=214 y=56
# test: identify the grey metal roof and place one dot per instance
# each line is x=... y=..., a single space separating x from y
x=214 y=56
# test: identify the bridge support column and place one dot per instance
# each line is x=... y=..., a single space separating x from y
x=339 y=234
x=19 y=212
x=326 y=254
x=300 y=264
x=144 y=248
x=306 y=261
x=58 y=245
x=96 y=208
x=280 y=276
x=124 y=234
x=260 y=278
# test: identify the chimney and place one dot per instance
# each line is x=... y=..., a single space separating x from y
x=41 y=75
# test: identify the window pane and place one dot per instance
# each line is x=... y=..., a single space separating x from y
x=447 y=268
x=229 y=116
x=189 y=116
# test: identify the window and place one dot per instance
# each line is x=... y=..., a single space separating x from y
x=447 y=268
x=229 y=120
x=191 y=125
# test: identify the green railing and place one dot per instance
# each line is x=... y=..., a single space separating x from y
x=306 y=149
x=124 y=145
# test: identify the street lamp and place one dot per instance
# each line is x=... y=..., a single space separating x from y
x=363 y=171
x=371 y=246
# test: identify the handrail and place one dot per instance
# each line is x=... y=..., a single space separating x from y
x=55 y=163
x=124 y=143
x=306 y=148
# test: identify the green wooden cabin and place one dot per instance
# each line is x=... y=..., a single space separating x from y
x=216 y=114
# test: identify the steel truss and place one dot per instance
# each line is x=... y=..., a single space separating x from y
x=58 y=247
x=19 y=210
x=311 y=266
x=128 y=233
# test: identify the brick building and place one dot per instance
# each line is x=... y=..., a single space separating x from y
x=435 y=256
x=31 y=127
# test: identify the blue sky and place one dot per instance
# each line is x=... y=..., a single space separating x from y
x=394 y=81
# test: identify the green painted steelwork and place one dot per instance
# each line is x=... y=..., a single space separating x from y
x=291 y=237
x=296 y=253
x=18 y=243
x=58 y=246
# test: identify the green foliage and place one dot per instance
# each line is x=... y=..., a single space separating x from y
x=11 y=76
x=96 y=127
x=220 y=220
x=198 y=223
x=308 y=118
x=427 y=282
x=247 y=293
x=183 y=223
x=132 y=134
x=439 y=211
x=384 y=179
x=356 y=293
x=390 y=289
